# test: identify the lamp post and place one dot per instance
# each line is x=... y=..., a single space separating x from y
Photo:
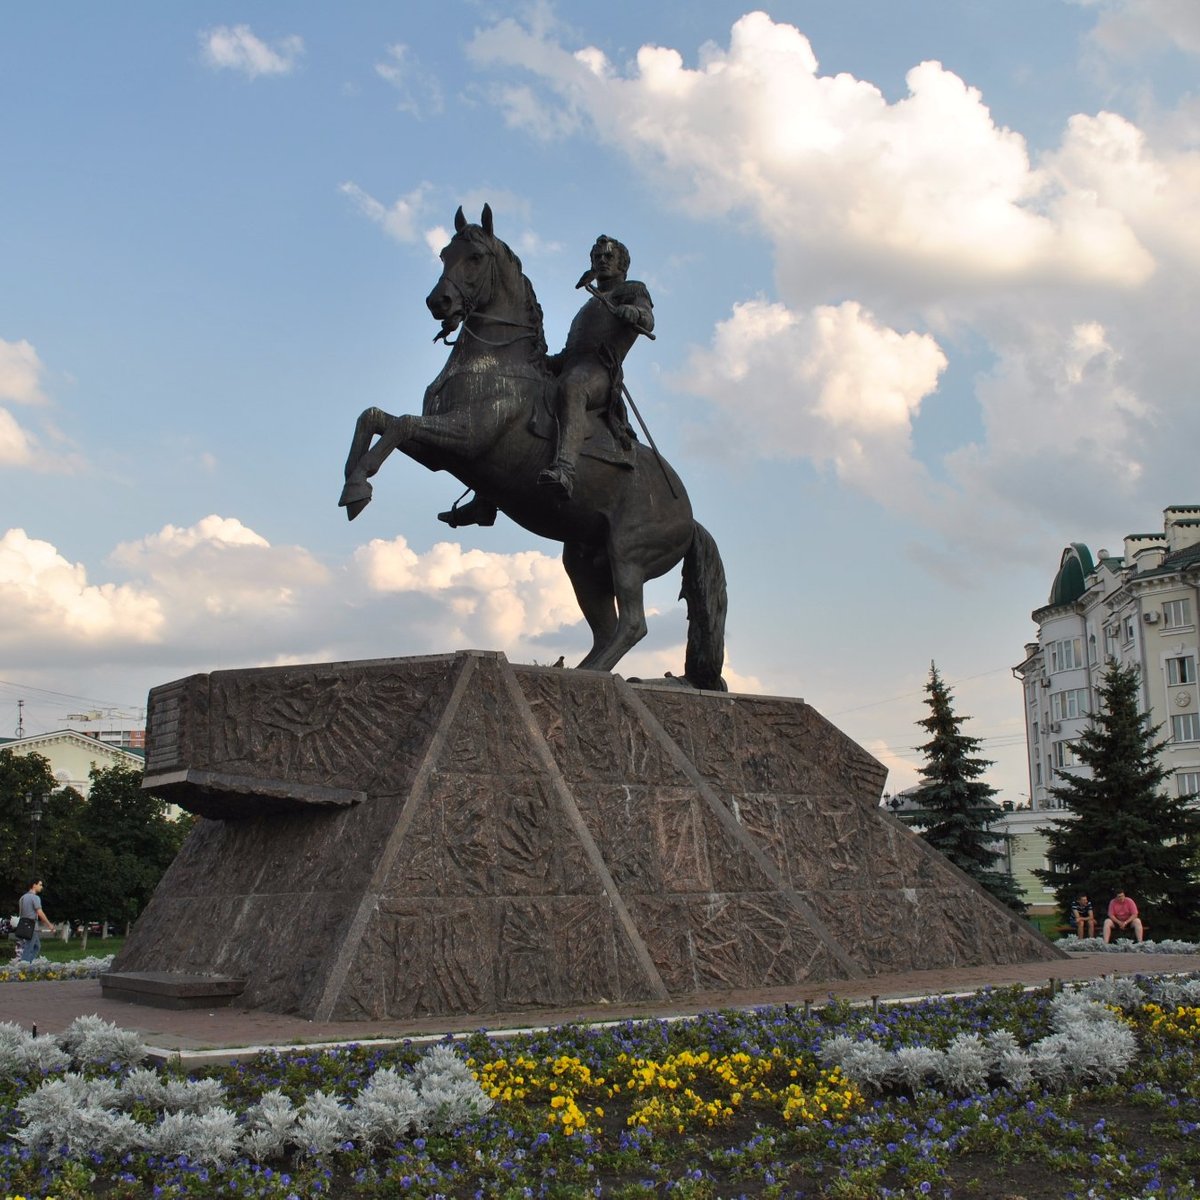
x=35 y=803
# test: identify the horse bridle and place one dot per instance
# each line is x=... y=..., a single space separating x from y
x=469 y=306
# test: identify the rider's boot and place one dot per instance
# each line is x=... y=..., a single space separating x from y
x=559 y=478
x=356 y=495
x=477 y=511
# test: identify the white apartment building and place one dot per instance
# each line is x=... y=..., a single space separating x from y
x=1139 y=608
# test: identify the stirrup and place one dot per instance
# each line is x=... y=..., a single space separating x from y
x=356 y=495
x=475 y=512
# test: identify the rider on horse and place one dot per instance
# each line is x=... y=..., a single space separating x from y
x=589 y=371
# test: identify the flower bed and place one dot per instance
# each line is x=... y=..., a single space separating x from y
x=44 y=968
x=1091 y=1093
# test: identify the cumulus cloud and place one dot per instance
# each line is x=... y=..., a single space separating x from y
x=237 y=48
x=49 y=603
x=217 y=593
x=831 y=385
x=497 y=599
x=826 y=164
x=1069 y=274
x=219 y=568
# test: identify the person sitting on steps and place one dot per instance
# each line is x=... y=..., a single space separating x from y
x=1082 y=913
x=1122 y=914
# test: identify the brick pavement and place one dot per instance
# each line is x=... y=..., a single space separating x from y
x=51 y=1006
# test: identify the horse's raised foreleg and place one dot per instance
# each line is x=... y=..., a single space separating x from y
x=365 y=459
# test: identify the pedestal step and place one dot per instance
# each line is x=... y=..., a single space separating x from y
x=169 y=989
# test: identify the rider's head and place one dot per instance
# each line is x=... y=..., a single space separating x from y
x=609 y=257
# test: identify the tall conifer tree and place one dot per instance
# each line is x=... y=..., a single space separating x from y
x=959 y=803
x=1129 y=832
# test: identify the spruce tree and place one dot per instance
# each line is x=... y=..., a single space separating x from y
x=1128 y=833
x=958 y=802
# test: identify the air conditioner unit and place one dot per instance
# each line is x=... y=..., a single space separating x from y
x=1151 y=618
x=1044 y=682
x=1056 y=727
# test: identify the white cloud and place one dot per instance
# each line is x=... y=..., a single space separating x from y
x=1072 y=275
x=220 y=568
x=826 y=164
x=1059 y=413
x=402 y=221
x=48 y=602
x=419 y=90
x=1128 y=26
x=497 y=599
x=237 y=48
x=217 y=593
x=17 y=446
x=20 y=373
x=832 y=386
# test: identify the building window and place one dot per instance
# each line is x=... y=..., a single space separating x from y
x=1091 y=649
x=1188 y=782
x=1128 y=628
x=1033 y=732
x=1068 y=704
x=1067 y=654
x=1186 y=728
x=1177 y=613
x=1181 y=670
x=1064 y=755
x=1037 y=772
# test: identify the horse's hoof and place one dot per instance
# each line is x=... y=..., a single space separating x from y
x=356 y=495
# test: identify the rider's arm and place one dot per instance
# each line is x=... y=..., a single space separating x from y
x=636 y=307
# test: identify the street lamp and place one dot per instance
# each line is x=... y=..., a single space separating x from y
x=35 y=803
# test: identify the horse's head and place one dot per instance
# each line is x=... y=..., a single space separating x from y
x=469 y=268
x=482 y=277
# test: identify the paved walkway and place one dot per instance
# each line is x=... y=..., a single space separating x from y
x=225 y=1031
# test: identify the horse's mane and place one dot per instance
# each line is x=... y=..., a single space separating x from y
x=533 y=310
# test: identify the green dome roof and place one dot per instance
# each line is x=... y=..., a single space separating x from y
x=1074 y=568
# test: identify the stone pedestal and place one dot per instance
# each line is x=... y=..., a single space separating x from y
x=456 y=834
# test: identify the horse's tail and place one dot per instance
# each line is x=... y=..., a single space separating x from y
x=704 y=591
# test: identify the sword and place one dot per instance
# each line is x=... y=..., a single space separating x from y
x=649 y=438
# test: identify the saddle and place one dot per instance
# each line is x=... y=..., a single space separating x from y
x=609 y=437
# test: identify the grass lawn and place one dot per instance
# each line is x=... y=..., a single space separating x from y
x=57 y=950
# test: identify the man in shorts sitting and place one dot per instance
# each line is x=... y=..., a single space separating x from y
x=1082 y=913
x=1122 y=914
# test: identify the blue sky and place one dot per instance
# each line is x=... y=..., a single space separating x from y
x=924 y=276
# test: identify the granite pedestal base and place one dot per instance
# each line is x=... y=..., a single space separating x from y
x=457 y=834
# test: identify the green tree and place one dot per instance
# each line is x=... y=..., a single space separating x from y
x=116 y=848
x=958 y=801
x=20 y=775
x=1128 y=832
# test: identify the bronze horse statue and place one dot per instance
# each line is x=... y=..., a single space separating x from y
x=629 y=518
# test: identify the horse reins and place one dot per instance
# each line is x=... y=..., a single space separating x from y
x=469 y=304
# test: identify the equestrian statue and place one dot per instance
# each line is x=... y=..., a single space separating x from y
x=546 y=440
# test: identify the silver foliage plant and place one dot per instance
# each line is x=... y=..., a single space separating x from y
x=81 y=968
x=1098 y=945
x=1089 y=1044
x=74 y=1115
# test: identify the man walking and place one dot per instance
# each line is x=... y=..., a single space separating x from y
x=31 y=906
